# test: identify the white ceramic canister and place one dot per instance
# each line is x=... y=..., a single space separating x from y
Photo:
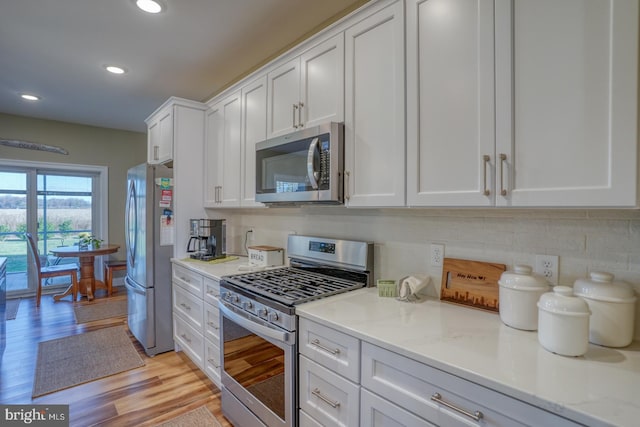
x=613 y=307
x=519 y=293
x=563 y=322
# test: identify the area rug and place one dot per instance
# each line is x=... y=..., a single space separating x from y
x=12 y=308
x=100 y=310
x=199 y=417
x=78 y=359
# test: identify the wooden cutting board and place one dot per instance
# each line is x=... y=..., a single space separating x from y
x=471 y=283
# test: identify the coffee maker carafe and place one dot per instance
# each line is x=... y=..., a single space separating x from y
x=209 y=236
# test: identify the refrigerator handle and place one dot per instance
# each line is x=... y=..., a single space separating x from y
x=131 y=223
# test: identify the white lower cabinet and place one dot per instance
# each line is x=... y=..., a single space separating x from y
x=196 y=322
x=378 y=412
x=329 y=398
x=394 y=390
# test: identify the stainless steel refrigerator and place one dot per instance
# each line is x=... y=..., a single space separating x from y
x=149 y=247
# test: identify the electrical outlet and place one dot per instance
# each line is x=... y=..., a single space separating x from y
x=547 y=265
x=437 y=255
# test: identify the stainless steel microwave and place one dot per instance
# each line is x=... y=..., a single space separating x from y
x=302 y=167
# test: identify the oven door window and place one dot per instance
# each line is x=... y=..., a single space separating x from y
x=256 y=365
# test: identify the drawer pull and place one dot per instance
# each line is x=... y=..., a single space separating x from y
x=213 y=325
x=213 y=362
x=316 y=342
x=185 y=306
x=185 y=279
x=186 y=338
x=333 y=403
x=476 y=416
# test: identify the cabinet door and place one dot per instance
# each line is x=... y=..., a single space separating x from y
x=160 y=137
x=284 y=98
x=254 y=130
x=375 y=110
x=450 y=94
x=214 y=134
x=229 y=160
x=377 y=412
x=322 y=83
x=566 y=102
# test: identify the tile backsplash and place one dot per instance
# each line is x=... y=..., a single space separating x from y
x=585 y=240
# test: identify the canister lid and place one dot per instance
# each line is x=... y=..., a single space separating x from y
x=561 y=301
x=522 y=278
x=601 y=286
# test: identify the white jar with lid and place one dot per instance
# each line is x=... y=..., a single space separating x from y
x=519 y=293
x=612 y=305
x=563 y=322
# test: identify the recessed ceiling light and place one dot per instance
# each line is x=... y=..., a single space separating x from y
x=114 y=69
x=30 y=97
x=151 y=6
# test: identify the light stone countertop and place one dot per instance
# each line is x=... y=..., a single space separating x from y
x=600 y=388
x=213 y=270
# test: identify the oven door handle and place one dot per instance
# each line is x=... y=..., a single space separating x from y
x=277 y=335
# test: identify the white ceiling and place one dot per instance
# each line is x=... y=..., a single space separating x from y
x=56 y=49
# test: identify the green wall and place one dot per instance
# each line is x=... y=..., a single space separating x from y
x=87 y=145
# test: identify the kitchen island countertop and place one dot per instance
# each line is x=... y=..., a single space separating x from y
x=600 y=388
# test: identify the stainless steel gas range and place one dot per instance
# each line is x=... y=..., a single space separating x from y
x=259 y=324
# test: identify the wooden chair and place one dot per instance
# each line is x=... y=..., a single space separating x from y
x=70 y=270
x=109 y=267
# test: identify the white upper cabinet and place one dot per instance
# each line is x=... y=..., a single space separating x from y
x=254 y=130
x=450 y=98
x=375 y=110
x=160 y=137
x=222 y=153
x=558 y=128
x=566 y=102
x=307 y=90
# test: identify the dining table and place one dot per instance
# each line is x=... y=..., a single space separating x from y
x=87 y=283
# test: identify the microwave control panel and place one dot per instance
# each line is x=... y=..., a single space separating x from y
x=325 y=164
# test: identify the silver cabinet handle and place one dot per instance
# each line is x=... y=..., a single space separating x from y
x=485 y=161
x=476 y=416
x=185 y=306
x=503 y=158
x=156 y=150
x=295 y=107
x=333 y=403
x=347 y=175
x=316 y=342
x=213 y=325
x=300 y=105
x=213 y=362
x=185 y=279
x=186 y=338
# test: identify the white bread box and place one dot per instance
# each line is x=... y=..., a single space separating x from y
x=265 y=256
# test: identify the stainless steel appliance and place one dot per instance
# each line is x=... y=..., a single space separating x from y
x=258 y=324
x=148 y=281
x=210 y=237
x=302 y=167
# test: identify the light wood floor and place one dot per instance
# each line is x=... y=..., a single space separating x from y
x=168 y=385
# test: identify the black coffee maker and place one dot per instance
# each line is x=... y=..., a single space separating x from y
x=208 y=239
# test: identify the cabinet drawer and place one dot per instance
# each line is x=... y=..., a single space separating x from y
x=189 y=306
x=212 y=361
x=211 y=291
x=212 y=323
x=377 y=412
x=327 y=397
x=189 y=340
x=337 y=351
x=191 y=281
x=412 y=385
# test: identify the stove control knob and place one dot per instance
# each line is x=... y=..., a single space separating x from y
x=263 y=312
x=247 y=305
x=273 y=317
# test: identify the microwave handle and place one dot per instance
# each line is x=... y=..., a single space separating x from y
x=311 y=173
